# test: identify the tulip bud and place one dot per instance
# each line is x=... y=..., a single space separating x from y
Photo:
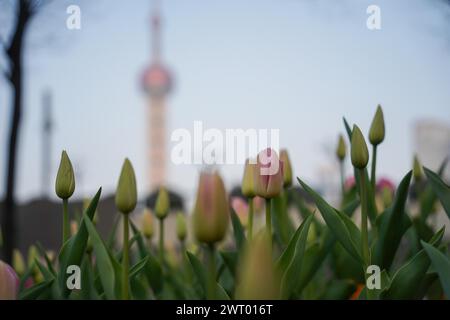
x=269 y=175
x=359 y=152
x=387 y=196
x=162 y=205
x=9 y=282
x=211 y=211
x=73 y=227
x=18 y=262
x=126 y=192
x=65 y=179
x=241 y=208
x=417 y=169
x=377 y=131
x=248 y=181
x=147 y=224
x=181 y=226
x=341 y=149
x=287 y=168
x=258 y=277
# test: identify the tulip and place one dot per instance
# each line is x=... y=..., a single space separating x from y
x=9 y=282
x=126 y=192
x=241 y=208
x=376 y=136
x=269 y=180
x=181 y=226
x=211 y=212
x=73 y=227
x=341 y=151
x=18 y=262
x=64 y=187
x=287 y=168
x=126 y=198
x=211 y=218
x=147 y=224
x=359 y=152
x=162 y=208
x=257 y=276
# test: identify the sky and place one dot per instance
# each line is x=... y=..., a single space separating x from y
x=298 y=66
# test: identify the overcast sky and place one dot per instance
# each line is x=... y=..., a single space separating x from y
x=293 y=65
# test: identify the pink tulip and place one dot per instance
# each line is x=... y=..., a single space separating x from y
x=9 y=282
x=240 y=206
x=269 y=174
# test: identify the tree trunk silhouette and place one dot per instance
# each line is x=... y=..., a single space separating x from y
x=14 y=52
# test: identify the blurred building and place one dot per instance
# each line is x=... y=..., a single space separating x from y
x=432 y=143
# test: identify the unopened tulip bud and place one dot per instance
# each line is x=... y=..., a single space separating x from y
x=211 y=211
x=162 y=205
x=269 y=176
x=287 y=168
x=9 y=282
x=147 y=224
x=18 y=262
x=73 y=227
x=377 y=131
x=387 y=196
x=65 y=179
x=126 y=192
x=32 y=256
x=181 y=226
x=258 y=277
x=240 y=206
x=417 y=169
x=249 y=179
x=341 y=149
x=360 y=154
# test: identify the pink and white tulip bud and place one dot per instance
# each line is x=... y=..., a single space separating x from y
x=269 y=176
x=211 y=212
x=9 y=282
x=240 y=206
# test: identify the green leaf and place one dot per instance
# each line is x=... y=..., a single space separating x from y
x=441 y=189
x=296 y=250
x=231 y=260
x=282 y=224
x=393 y=225
x=138 y=267
x=74 y=249
x=337 y=224
x=104 y=261
x=408 y=278
x=238 y=230
x=36 y=291
x=199 y=271
x=441 y=264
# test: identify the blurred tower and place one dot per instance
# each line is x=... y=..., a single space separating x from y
x=47 y=126
x=157 y=83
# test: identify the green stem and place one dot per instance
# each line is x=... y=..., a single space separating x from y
x=212 y=273
x=269 y=220
x=341 y=169
x=250 y=218
x=66 y=223
x=125 y=259
x=364 y=228
x=161 y=242
x=373 y=178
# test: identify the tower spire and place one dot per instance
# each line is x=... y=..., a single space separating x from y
x=156 y=32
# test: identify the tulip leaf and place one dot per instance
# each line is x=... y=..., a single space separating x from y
x=393 y=225
x=199 y=271
x=282 y=224
x=428 y=197
x=441 y=189
x=441 y=264
x=35 y=291
x=340 y=227
x=104 y=261
x=74 y=249
x=238 y=230
x=138 y=267
x=408 y=278
x=230 y=259
x=153 y=269
x=296 y=250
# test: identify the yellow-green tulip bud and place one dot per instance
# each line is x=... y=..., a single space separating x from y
x=181 y=226
x=417 y=169
x=147 y=224
x=162 y=205
x=65 y=179
x=287 y=168
x=341 y=149
x=377 y=131
x=258 y=278
x=249 y=179
x=18 y=262
x=387 y=196
x=360 y=154
x=211 y=211
x=126 y=192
